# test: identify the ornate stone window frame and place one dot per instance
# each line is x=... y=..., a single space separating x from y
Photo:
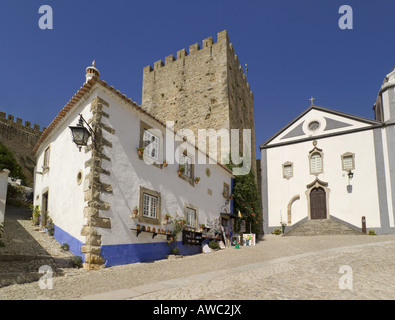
x=144 y=219
x=286 y=164
x=348 y=154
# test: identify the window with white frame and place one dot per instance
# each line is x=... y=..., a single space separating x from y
x=150 y=206
x=151 y=145
x=190 y=217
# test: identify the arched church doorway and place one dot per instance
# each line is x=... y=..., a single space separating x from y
x=318 y=203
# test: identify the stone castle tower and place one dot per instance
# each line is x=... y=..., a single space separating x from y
x=203 y=89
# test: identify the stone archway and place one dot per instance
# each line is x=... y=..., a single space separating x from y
x=289 y=209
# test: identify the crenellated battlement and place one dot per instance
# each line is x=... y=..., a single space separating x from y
x=18 y=122
x=207 y=48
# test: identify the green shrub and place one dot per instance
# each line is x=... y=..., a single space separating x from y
x=65 y=247
x=175 y=251
x=50 y=227
x=372 y=233
x=77 y=262
x=214 y=245
x=277 y=231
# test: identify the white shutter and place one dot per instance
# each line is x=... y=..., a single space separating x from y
x=151 y=145
x=190 y=217
x=316 y=163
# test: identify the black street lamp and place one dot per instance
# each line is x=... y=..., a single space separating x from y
x=81 y=134
x=350 y=174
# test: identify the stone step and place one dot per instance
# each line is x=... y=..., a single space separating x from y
x=322 y=227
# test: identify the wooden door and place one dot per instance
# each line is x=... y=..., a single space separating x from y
x=318 y=203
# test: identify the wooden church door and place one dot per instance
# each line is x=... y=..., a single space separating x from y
x=318 y=203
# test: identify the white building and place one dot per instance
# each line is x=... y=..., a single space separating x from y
x=90 y=194
x=3 y=192
x=327 y=164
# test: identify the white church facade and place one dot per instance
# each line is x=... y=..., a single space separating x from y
x=106 y=202
x=327 y=164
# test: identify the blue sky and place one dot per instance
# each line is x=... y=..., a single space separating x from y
x=294 y=50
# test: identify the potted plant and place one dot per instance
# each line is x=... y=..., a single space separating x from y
x=35 y=215
x=197 y=179
x=135 y=212
x=140 y=151
x=167 y=218
x=165 y=164
x=181 y=170
x=283 y=225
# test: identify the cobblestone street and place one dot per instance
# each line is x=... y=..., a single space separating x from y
x=276 y=268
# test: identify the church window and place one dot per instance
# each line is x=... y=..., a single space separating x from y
x=348 y=161
x=288 y=170
x=314 y=126
x=316 y=163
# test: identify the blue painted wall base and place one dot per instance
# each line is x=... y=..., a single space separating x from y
x=142 y=252
x=63 y=237
x=125 y=253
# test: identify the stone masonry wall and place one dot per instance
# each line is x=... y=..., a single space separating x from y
x=203 y=89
